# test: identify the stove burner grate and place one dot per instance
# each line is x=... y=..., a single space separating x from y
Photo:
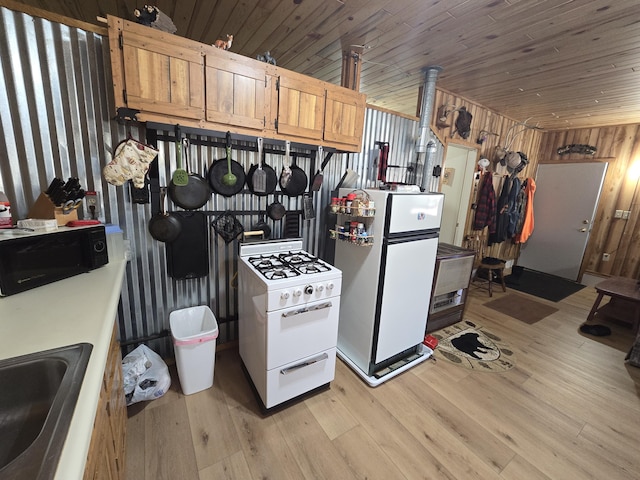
x=287 y=265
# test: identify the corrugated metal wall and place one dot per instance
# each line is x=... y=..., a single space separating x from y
x=56 y=120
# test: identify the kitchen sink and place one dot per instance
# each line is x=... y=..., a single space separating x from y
x=38 y=394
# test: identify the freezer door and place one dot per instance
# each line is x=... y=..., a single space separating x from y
x=413 y=212
x=406 y=293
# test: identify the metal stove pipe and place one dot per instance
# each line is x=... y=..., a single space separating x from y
x=427 y=142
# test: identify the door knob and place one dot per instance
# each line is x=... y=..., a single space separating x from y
x=586 y=222
x=583 y=229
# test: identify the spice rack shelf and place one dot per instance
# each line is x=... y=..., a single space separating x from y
x=356 y=205
x=367 y=240
x=357 y=215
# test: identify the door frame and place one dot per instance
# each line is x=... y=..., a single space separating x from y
x=596 y=208
x=468 y=194
x=601 y=206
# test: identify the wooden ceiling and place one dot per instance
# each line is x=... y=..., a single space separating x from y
x=560 y=63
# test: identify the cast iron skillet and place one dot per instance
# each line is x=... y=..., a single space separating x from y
x=163 y=226
x=298 y=182
x=276 y=210
x=220 y=167
x=196 y=192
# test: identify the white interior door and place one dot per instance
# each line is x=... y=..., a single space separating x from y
x=457 y=182
x=564 y=206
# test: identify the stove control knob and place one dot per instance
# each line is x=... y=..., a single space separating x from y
x=285 y=295
x=297 y=292
x=320 y=288
x=308 y=289
x=330 y=286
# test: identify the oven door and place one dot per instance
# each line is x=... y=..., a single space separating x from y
x=301 y=331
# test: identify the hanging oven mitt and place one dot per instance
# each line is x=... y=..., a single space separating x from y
x=131 y=161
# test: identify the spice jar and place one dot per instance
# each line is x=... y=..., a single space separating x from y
x=361 y=234
x=353 y=232
x=335 y=205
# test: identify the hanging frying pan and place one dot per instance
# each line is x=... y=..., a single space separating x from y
x=226 y=176
x=298 y=181
x=276 y=210
x=163 y=226
x=196 y=192
x=285 y=175
x=271 y=178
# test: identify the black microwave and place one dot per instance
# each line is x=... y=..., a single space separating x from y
x=34 y=259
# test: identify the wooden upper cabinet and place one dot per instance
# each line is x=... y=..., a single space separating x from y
x=237 y=90
x=344 y=117
x=301 y=106
x=171 y=79
x=159 y=73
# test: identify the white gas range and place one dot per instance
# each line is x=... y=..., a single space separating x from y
x=288 y=305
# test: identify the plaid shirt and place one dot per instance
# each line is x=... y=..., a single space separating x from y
x=486 y=207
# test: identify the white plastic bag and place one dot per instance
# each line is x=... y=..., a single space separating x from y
x=146 y=376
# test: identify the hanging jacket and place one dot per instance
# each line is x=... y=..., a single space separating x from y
x=486 y=207
x=513 y=212
x=527 y=226
x=502 y=215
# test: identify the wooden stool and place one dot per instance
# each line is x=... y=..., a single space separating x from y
x=490 y=268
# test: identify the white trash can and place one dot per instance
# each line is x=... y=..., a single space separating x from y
x=194 y=331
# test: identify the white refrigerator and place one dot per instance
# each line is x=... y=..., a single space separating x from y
x=386 y=286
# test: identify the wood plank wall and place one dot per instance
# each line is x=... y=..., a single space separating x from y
x=500 y=131
x=617 y=145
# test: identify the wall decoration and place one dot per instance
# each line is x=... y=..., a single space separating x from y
x=577 y=148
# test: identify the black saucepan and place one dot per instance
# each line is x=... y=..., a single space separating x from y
x=196 y=192
x=298 y=181
x=163 y=226
x=222 y=167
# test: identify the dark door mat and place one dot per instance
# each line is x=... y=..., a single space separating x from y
x=522 y=308
x=541 y=284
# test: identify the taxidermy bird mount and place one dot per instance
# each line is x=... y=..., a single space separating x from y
x=151 y=16
x=224 y=44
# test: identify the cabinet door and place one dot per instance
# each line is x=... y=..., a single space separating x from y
x=301 y=107
x=236 y=93
x=162 y=73
x=344 y=117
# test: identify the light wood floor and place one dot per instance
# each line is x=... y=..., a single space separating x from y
x=570 y=409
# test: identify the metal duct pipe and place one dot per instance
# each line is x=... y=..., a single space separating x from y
x=427 y=142
x=428 y=93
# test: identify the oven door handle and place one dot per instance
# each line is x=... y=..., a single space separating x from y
x=311 y=361
x=320 y=306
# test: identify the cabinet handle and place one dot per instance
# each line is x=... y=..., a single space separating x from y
x=311 y=361
x=320 y=306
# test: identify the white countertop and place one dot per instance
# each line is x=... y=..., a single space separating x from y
x=78 y=309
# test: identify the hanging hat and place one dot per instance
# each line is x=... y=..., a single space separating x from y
x=512 y=161
x=516 y=161
x=500 y=153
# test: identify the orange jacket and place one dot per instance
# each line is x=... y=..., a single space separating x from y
x=527 y=226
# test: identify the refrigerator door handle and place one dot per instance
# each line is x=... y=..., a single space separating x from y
x=306 y=363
